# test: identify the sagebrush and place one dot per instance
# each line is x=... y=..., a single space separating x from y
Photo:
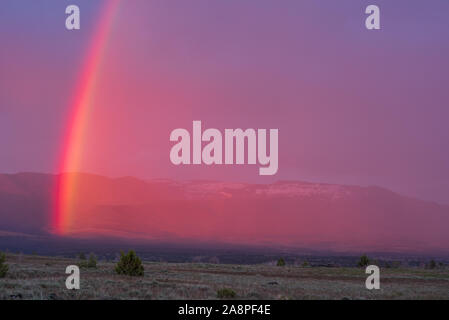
x=226 y=293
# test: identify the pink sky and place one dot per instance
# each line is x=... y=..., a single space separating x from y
x=352 y=106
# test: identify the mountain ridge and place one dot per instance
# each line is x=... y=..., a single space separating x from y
x=284 y=213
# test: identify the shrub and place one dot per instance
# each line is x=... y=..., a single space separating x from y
x=92 y=262
x=3 y=267
x=363 y=262
x=129 y=264
x=281 y=262
x=226 y=293
x=432 y=264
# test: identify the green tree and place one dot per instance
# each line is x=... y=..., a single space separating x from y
x=129 y=264
x=3 y=267
x=364 y=261
x=92 y=262
x=281 y=262
x=82 y=256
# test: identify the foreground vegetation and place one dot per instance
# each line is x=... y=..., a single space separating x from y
x=35 y=277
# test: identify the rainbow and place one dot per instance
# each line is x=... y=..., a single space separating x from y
x=75 y=135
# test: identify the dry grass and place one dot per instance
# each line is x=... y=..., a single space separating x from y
x=34 y=277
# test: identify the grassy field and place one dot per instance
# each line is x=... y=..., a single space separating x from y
x=35 y=277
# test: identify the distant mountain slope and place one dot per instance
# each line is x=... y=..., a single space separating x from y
x=24 y=202
x=319 y=216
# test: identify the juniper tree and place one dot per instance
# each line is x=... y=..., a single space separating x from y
x=129 y=264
